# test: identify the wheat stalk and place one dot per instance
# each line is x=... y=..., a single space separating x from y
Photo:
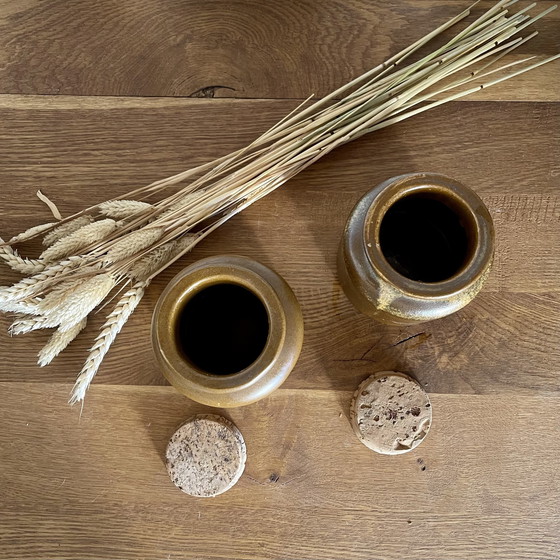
x=136 y=239
x=133 y=243
x=32 y=232
x=78 y=240
x=78 y=301
x=121 y=209
x=66 y=229
x=115 y=322
x=36 y=284
x=27 y=323
x=20 y=264
x=58 y=342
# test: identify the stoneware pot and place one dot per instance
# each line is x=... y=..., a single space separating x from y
x=415 y=248
x=227 y=331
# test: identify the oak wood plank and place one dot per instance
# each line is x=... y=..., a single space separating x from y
x=496 y=345
x=249 y=49
x=83 y=150
x=95 y=486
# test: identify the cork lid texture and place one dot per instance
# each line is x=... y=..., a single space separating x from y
x=206 y=456
x=391 y=413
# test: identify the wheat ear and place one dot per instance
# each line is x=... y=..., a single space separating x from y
x=67 y=305
x=27 y=323
x=58 y=342
x=121 y=209
x=56 y=295
x=133 y=243
x=80 y=239
x=25 y=266
x=186 y=200
x=66 y=229
x=27 y=287
x=21 y=307
x=144 y=268
x=20 y=264
x=115 y=321
x=31 y=232
x=74 y=304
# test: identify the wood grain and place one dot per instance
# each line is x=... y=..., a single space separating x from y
x=83 y=150
x=95 y=101
x=310 y=489
x=249 y=48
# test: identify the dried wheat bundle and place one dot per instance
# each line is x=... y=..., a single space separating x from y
x=120 y=245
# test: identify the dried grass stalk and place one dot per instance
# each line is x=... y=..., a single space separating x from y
x=51 y=205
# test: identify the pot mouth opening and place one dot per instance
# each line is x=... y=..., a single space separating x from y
x=222 y=329
x=428 y=237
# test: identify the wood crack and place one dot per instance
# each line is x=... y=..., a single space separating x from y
x=208 y=91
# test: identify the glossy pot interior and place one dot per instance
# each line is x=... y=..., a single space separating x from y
x=415 y=248
x=197 y=353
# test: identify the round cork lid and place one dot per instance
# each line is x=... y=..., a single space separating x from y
x=206 y=455
x=391 y=413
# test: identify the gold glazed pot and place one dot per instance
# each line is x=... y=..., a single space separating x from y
x=415 y=248
x=227 y=331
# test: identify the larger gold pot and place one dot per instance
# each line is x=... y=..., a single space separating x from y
x=415 y=248
x=197 y=353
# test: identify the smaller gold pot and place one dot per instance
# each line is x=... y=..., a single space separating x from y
x=197 y=366
x=415 y=248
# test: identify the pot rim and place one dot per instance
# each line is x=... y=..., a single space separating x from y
x=464 y=201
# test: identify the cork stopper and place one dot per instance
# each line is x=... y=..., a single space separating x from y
x=391 y=413
x=206 y=455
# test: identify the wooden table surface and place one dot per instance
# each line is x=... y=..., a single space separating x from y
x=100 y=97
